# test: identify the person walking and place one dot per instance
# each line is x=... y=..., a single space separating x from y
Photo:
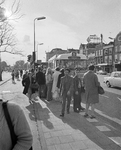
x=66 y=90
x=20 y=125
x=33 y=88
x=91 y=83
x=77 y=82
x=40 y=79
x=49 y=81
x=21 y=73
x=13 y=76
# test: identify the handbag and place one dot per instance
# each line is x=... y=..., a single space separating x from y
x=34 y=86
x=100 y=90
x=82 y=89
x=9 y=122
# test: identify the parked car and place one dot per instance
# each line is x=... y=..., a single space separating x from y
x=114 y=80
x=101 y=72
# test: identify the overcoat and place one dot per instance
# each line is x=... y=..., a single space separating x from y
x=66 y=85
x=91 y=83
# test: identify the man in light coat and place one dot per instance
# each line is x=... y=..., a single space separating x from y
x=91 y=83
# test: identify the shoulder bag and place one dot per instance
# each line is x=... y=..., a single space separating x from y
x=9 y=122
x=100 y=90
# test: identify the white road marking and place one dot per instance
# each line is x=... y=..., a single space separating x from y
x=118 y=121
x=119 y=98
x=111 y=118
x=104 y=96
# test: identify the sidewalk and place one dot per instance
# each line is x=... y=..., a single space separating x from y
x=73 y=132
x=6 y=76
x=51 y=132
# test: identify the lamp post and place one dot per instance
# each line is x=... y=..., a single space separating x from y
x=37 y=48
x=113 y=53
x=39 y=18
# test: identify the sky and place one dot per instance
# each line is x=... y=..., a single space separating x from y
x=68 y=23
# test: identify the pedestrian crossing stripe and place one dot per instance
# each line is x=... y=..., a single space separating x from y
x=104 y=128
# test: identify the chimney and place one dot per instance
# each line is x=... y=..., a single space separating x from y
x=101 y=39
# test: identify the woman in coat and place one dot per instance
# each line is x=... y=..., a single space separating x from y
x=49 y=80
x=91 y=83
x=55 y=80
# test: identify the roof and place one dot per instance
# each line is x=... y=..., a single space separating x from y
x=65 y=56
x=52 y=58
x=103 y=64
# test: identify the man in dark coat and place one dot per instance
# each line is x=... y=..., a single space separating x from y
x=40 y=79
x=25 y=82
x=77 y=90
x=66 y=90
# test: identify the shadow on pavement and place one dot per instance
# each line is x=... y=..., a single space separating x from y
x=77 y=122
x=40 y=112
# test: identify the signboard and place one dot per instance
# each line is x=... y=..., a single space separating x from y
x=39 y=62
x=74 y=56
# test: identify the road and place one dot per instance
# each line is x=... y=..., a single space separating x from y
x=109 y=108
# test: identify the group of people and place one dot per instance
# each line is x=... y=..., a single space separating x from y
x=34 y=82
x=68 y=88
x=61 y=85
x=72 y=87
x=16 y=74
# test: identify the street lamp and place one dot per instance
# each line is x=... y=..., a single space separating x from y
x=113 y=56
x=37 y=48
x=39 y=18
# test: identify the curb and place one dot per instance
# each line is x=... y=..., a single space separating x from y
x=5 y=81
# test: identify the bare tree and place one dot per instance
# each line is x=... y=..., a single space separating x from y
x=8 y=40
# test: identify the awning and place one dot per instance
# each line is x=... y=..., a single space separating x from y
x=103 y=64
x=67 y=55
x=52 y=58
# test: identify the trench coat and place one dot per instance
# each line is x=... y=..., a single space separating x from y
x=91 y=83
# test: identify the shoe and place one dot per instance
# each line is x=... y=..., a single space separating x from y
x=82 y=109
x=86 y=115
x=92 y=117
x=77 y=111
x=61 y=115
x=30 y=101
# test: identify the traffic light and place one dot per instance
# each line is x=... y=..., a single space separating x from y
x=29 y=58
x=34 y=56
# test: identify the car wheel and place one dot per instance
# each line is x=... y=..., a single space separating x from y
x=108 y=84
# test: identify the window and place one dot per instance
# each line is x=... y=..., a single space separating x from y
x=116 y=58
x=110 y=50
x=105 y=51
x=120 y=57
x=96 y=53
x=106 y=59
x=100 y=52
x=116 y=49
x=110 y=59
x=120 y=48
